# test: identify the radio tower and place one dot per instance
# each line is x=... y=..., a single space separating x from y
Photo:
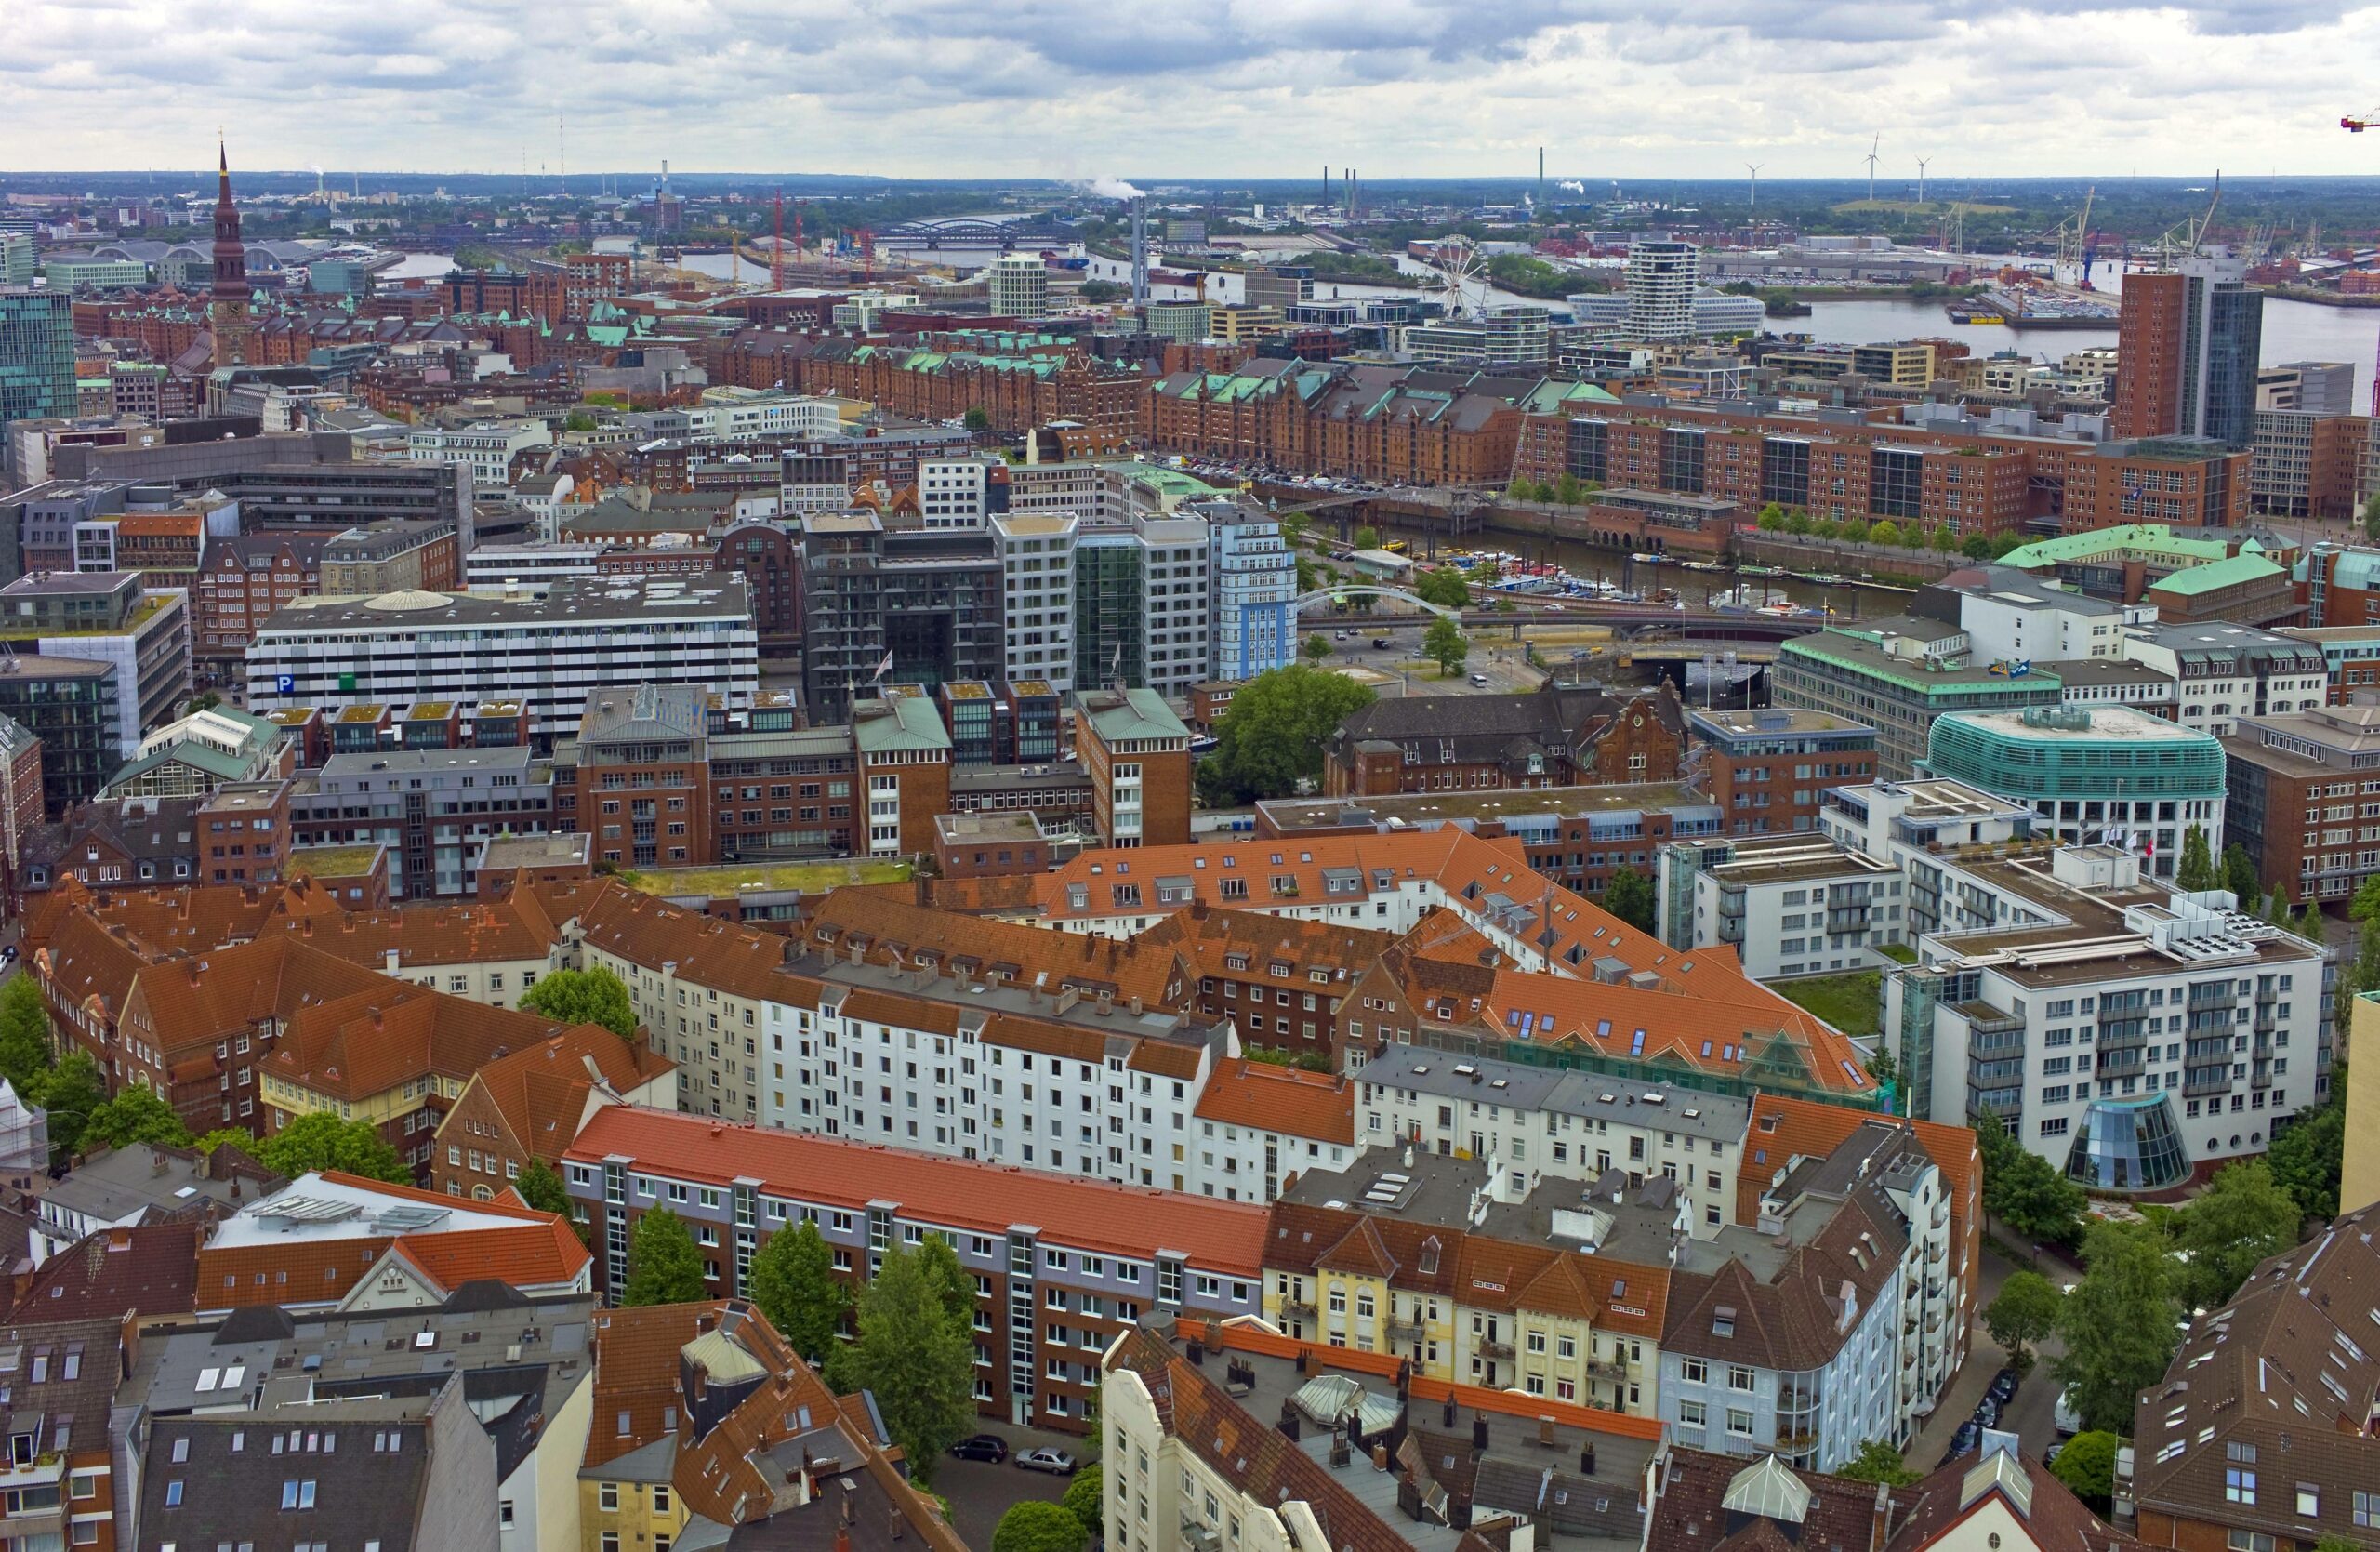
x=776 y=255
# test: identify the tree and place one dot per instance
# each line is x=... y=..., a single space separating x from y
x=2023 y=1190
x=1444 y=644
x=665 y=1266
x=135 y=1115
x=2197 y=870
x=1444 y=586
x=920 y=1363
x=795 y=1286
x=582 y=997
x=1945 y=542
x=319 y=1140
x=25 y=1035
x=2037 y=1201
x=1797 y=522
x=952 y=1282
x=205 y=700
x=2240 y=876
x=1976 y=548
x=2024 y=1313
x=1525 y=490
x=2118 y=1323
x=1568 y=492
x=2305 y=1156
x=2087 y=1466
x=1771 y=518
x=2243 y=1219
x=2372 y=516
x=1271 y=735
x=2362 y=908
x=1085 y=1499
x=1883 y=1066
x=236 y=1136
x=1885 y=533
x=1855 y=530
x=578 y=421
x=1318 y=647
x=977 y=418
x=70 y=1091
x=1826 y=528
x=1368 y=537
x=541 y=1189
x=1628 y=896
x=1037 y=1525
x=1877 y=1461
x=1912 y=536
x=2277 y=909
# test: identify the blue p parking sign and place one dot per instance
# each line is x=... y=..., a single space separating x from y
x=287 y=685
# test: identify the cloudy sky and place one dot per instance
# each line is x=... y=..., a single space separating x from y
x=1076 y=88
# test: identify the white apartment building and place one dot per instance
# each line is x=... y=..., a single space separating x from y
x=485 y=447
x=512 y=567
x=2224 y=671
x=548 y=652
x=1789 y=904
x=2125 y=1031
x=1548 y=1122
x=2016 y=617
x=1260 y=1125
x=1037 y=556
x=730 y=414
x=951 y=492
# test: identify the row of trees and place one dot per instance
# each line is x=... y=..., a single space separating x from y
x=1567 y=491
x=1885 y=533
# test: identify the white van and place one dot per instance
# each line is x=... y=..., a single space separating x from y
x=2064 y=1418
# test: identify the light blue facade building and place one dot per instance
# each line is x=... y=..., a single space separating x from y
x=1252 y=591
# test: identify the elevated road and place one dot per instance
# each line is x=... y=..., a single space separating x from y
x=1698 y=629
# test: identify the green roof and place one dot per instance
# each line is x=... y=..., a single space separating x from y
x=2219 y=573
x=1142 y=714
x=330 y=862
x=909 y=722
x=2149 y=538
x=1869 y=661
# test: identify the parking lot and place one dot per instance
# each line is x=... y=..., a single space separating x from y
x=980 y=1491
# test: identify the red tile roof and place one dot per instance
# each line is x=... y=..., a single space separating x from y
x=541 y=1092
x=971 y=1194
x=1783 y=1127
x=148 y=1271
x=1270 y=1098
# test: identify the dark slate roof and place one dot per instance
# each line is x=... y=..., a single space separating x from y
x=216 y=1493
x=148 y=1270
x=1481 y=729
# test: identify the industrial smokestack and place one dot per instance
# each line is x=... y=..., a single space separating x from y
x=1140 y=254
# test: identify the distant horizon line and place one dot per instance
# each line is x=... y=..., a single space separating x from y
x=1524 y=181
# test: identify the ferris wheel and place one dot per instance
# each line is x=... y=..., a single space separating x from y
x=1461 y=285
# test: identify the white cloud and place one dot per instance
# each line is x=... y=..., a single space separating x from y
x=1246 y=88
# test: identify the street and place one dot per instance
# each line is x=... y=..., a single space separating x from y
x=1499 y=659
x=2028 y=1417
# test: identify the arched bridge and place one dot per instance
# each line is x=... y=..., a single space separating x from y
x=1365 y=589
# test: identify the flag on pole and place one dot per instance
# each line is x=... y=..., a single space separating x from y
x=882 y=668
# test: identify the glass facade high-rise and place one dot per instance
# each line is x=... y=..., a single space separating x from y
x=36 y=355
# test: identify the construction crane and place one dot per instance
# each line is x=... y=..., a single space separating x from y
x=2074 y=235
x=2190 y=236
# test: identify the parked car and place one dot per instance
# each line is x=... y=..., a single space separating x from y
x=2003 y=1386
x=1986 y=1414
x=1056 y=1461
x=2066 y=1417
x=1969 y=1435
x=2049 y=1457
x=990 y=1447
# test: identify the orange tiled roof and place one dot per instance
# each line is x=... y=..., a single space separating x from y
x=1781 y=1128
x=964 y=1194
x=888 y=930
x=541 y=1091
x=1270 y=1098
x=380 y=1037
x=515 y=927
x=636 y=1372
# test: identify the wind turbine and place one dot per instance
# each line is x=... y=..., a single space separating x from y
x=1873 y=159
x=1756 y=167
x=1921 y=178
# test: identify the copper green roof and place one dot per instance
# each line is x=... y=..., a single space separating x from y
x=2218 y=574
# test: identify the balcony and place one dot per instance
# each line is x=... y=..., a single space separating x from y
x=1797 y=1444
x=1297 y=1309
x=2201 y=1082
x=1405 y=1331
x=1607 y=1369
x=1490 y=1348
